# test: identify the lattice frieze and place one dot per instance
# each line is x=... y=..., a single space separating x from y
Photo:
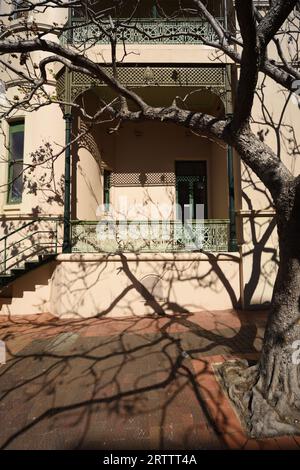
x=210 y=78
x=60 y=86
x=143 y=179
x=88 y=141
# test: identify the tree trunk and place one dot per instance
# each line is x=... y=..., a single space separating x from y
x=274 y=403
x=268 y=394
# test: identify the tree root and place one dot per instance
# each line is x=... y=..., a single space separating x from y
x=262 y=414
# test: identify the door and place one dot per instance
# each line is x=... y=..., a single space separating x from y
x=191 y=189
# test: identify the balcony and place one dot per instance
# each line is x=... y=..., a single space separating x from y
x=150 y=236
x=142 y=31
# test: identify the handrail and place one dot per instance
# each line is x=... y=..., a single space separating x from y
x=22 y=239
x=21 y=252
x=150 y=221
x=15 y=231
x=7 y=252
x=183 y=19
x=29 y=223
x=143 y=30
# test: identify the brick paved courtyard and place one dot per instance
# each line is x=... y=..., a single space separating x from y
x=137 y=383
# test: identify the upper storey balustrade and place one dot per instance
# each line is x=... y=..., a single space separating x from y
x=142 y=22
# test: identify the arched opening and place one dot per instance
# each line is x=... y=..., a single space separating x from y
x=148 y=171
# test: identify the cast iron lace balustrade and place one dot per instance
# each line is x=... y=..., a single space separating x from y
x=144 y=30
x=150 y=236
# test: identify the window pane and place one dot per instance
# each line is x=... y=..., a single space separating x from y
x=17 y=5
x=106 y=186
x=191 y=180
x=183 y=199
x=16 y=182
x=17 y=145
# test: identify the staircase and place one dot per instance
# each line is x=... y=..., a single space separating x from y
x=15 y=273
x=24 y=249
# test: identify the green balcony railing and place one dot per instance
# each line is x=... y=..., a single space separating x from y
x=150 y=236
x=142 y=31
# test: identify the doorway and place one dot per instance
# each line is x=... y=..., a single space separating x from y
x=191 y=189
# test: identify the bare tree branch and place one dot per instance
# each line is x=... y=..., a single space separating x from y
x=249 y=64
x=273 y=20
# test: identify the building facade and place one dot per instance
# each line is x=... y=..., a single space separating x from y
x=109 y=218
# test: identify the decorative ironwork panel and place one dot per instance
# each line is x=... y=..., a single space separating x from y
x=88 y=141
x=60 y=86
x=142 y=31
x=159 y=76
x=142 y=179
x=150 y=236
x=210 y=78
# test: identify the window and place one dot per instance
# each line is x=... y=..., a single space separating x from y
x=191 y=188
x=106 y=188
x=19 y=5
x=15 y=163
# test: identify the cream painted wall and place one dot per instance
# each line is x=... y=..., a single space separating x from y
x=56 y=15
x=42 y=192
x=30 y=294
x=123 y=152
x=89 y=185
x=273 y=99
x=43 y=126
x=158 y=53
x=151 y=149
x=89 y=285
x=81 y=286
x=218 y=183
x=261 y=245
x=260 y=258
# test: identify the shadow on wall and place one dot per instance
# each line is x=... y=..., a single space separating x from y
x=204 y=276
x=260 y=255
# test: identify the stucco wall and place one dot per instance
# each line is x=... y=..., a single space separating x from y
x=109 y=285
x=88 y=285
x=44 y=127
x=147 y=153
x=29 y=294
x=260 y=249
x=89 y=188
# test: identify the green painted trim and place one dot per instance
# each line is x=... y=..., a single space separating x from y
x=106 y=187
x=232 y=238
x=119 y=222
x=14 y=127
x=67 y=195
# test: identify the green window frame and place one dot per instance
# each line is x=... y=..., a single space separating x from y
x=106 y=187
x=15 y=162
x=19 y=5
x=154 y=11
